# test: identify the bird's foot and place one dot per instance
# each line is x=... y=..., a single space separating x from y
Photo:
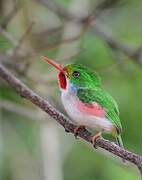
x=77 y=129
x=94 y=139
x=66 y=130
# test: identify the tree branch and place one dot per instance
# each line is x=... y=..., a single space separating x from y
x=30 y=95
x=114 y=43
x=133 y=53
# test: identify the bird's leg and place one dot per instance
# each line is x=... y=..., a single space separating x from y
x=77 y=129
x=94 y=138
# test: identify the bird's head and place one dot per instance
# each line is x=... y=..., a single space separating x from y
x=74 y=76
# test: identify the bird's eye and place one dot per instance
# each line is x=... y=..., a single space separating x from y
x=76 y=74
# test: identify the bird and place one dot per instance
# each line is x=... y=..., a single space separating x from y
x=86 y=101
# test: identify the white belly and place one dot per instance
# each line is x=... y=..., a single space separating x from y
x=70 y=104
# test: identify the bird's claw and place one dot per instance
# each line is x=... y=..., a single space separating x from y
x=94 y=139
x=66 y=130
x=76 y=131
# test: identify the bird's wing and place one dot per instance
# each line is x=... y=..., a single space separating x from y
x=90 y=97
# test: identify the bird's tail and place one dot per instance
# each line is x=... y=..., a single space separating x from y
x=119 y=141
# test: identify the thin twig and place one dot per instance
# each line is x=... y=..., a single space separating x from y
x=23 y=38
x=132 y=53
x=30 y=95
x=20 y=110
x=57 y=9
x=114 y=43
x=8 y=36
x=10 y=16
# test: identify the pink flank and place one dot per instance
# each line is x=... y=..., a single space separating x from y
x=93 y=109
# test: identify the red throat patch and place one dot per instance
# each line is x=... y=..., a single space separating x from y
x=62 y=80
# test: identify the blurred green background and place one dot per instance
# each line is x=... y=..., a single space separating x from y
x=33 y=145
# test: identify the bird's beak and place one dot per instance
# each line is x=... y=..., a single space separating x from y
x=53 y=63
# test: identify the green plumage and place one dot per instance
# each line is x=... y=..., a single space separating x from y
x=90 y=90
x=81 y=88
x=100 y=96
x=88 y=79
